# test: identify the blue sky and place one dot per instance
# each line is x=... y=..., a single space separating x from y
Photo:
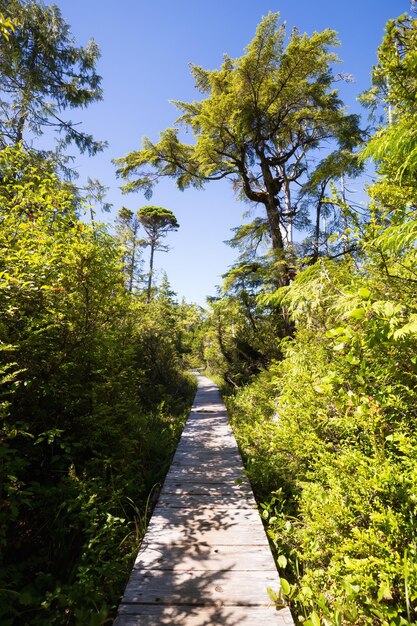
x=146 y=47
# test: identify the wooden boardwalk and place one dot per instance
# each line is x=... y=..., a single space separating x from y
x=205 y=558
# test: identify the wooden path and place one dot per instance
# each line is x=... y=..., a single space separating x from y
x=205 y=558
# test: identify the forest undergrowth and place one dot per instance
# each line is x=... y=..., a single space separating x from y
x=94 y=396
x=321 y=377
x=314 y=341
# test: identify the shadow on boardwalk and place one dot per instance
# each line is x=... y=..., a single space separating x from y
x=205 y=558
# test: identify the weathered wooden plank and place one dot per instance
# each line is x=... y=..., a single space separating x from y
x=208 y=431
x=207 y=558
x=206 y=439
x=249 y=534
x=208 y=417
x=153 y=615
x=209 y=515
x=191 y=449
x=230 y=489
x=203 y=408
x=210 y=525
x=214 y=475
x=196 y=441
x=207 y=436
x=208 y=464
x=202 y=588
x=207 y=423
x=210 y=420
x=201 y=414
x=208 y=442
x=199 y=501
x=208 y=459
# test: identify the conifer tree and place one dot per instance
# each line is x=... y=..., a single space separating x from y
x=43 y=73
x=157 y=222
x=261 y=117
x=128 y=230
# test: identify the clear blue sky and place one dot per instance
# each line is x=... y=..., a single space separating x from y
x=146 y=47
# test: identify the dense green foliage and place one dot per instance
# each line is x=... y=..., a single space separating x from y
x=328 y=430
x=92 y=404
x=329 y=433
x=242 y=335
x=321 y=374
x=93 y=390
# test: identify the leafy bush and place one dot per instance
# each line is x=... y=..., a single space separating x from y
x=330 y=433
x=93 y=402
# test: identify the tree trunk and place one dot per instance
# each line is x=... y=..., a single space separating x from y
x=20 y=128
x=346 y=243
x=317 y=233
x=148 y=297
x=274 y=225
x=277 y=242
x=274 y=212
x=288 y=210
x=132 y=263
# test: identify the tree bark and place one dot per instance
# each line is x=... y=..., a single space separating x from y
x=148 y=297
x=317 y=234
x=274 y=224
x=133 y=259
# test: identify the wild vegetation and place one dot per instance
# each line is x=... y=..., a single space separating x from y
x=314 y=339
x=324 y=408
x=93 y=389
x=93 y=399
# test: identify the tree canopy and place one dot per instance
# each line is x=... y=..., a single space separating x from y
x=260 y=118
x=127 y=228
x=42 y=74
x=394 y=145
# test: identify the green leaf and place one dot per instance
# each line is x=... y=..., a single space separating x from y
x=285 y=585
x=282 y=561
x=384 y=591
x=272 y=594
x=408 y=329
x=335 y=332
x=314 y=620
x=364 y=293
x=389 y=309
x=357 y=314
x=350 y=589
